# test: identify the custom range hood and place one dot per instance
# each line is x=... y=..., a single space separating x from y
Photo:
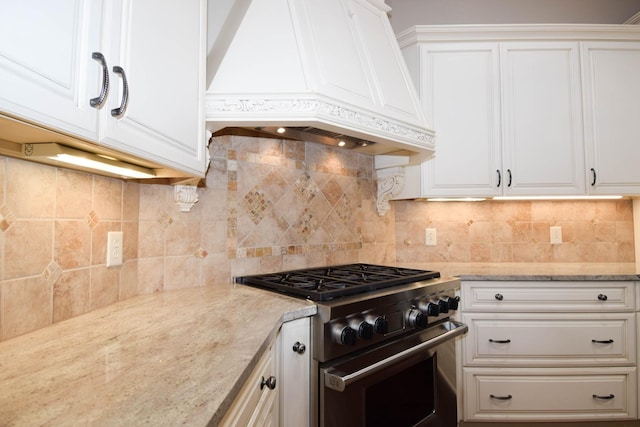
x=317 y=70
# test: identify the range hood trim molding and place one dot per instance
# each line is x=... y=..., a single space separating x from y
x=226 y=111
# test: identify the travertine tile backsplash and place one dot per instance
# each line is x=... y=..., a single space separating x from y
x=268 y=205
x=501 y=231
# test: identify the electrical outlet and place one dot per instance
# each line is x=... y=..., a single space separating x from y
x=430 y=236
x=114 y=248
x=555 y=235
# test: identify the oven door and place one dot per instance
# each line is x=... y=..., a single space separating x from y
x=408 y=382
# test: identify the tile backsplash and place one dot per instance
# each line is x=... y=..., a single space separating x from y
x=498 y=231
x=267 y=205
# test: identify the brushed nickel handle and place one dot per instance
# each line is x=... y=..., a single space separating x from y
x=117 y=112
x=104 y=90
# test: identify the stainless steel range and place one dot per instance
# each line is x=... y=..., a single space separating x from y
x=382 y=342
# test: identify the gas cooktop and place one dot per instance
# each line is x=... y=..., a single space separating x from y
x=326 y=283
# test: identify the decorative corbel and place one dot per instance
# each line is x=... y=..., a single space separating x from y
x=390 y=182
x=185 y=196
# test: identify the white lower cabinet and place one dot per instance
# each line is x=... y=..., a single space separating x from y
x=549 y=351
x=550 y=394
x=277 y=390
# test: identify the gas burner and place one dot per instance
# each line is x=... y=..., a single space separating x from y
x=326 y=283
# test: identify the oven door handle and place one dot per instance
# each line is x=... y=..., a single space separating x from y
x=339 y=380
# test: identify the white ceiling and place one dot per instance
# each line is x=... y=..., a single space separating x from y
x=406 y=13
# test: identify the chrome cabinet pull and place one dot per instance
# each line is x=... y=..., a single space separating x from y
x=602 y=341
x=609 y=397
x=117 y=112
x=593 y=177
x=507 y=341
x=507 y=397
x=270 y=383
x=104 y=90
x=499 y=178
x=510 y=177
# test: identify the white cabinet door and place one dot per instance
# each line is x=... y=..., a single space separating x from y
x=612 y=107
x=542 y=118
x=295 y=373
x=460 y=93
x=507 y=116
x=47 y=74
x=160 y=45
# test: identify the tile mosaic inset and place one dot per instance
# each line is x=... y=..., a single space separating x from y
x=6 y=218
x=255 y=204
x=92 y=219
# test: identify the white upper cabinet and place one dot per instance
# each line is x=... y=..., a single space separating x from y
x=160 y=45
x=460 y=92
x=543 y=150
x=57 y=55
x=47 y=74
x=612 y=111
x=526 y=110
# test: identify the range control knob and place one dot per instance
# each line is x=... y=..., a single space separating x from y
x=362 y=328
x=443 y=305
x=345 y=335
x=416 y=318
x=452 y=301
x=380 y=325
x=429 y=308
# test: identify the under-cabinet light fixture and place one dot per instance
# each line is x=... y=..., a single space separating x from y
x=73 y=156
x=454 y=199
x=559 y=198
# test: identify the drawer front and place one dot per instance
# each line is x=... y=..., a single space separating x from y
x=550 y=394
x=545 y=339
x=551 y=296
x=252 y=402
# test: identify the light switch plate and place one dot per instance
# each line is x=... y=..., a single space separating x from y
x=555 y=235
x=114 y=248
x=430 y=237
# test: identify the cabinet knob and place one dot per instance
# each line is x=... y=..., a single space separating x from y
x=270 y=383
x=299 y=348
x=602 y=297
x=499 y=297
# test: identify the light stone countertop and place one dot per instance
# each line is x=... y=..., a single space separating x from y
x=171 y=358
x=533 y=271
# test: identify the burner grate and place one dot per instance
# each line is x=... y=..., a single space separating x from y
x=325 y=283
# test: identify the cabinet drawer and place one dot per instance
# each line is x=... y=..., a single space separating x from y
x=550 y=394
x=251 y=407
x=544 y=339
x=548 y=296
